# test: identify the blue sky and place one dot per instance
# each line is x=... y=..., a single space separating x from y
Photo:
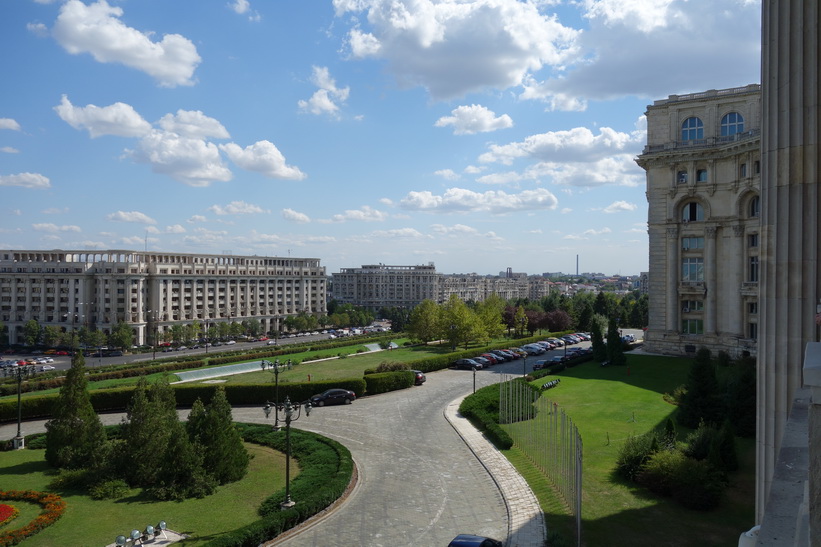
x=475 y=134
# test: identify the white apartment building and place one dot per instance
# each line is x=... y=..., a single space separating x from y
x=703 y=164
x=152 y=291
x=381 y=286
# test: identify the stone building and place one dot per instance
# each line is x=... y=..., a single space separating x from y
x=153 y=291
x=703 y=166
x=379 y=285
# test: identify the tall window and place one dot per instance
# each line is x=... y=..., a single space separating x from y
x=692 y=212
x=753 y=271
x=692 y=269
x=752 y=331
x=681 y=177
x=688 y=243
x=742 y=170
x=688 y=306
x=692 y=129
x=755 y=207
x=731 y=124
x=701 y=175
x=692 y=326
x=752 y=240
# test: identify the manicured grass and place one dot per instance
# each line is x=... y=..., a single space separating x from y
x=90 y=522
x=607 y=405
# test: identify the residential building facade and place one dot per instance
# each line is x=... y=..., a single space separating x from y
x=703 y=165
x=378 y=286
x=152 y=291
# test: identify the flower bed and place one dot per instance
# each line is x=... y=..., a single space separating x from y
x=53 y=508
x=7 y=513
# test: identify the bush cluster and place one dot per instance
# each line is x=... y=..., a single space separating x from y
x=482 y=409
x=383 y=382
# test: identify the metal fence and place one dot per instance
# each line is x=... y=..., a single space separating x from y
x=547 y=436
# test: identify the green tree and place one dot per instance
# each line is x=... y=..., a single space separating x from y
x=424 y=322
x=615 y=348
x=51 y=336
x=181 y=473
x=489 y=313
x=150 y=419
x=31 y=332
x=121 y=336
x=459 y=324
x=4 y=334
x=520 y=320
x=76 y=437
x=212 y=426
x=702 y=401
x=597 y=339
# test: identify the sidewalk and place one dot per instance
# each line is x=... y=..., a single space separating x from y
x=525 y=517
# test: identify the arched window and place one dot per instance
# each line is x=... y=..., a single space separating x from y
x=755 y=207
x=692 y=212
x=692 y=129
x=731 y=124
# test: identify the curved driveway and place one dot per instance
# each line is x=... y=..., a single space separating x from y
x=419 y=483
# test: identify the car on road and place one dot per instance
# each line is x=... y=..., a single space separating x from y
x=333 y=396
x=420 y=377
x=469 y=540
x=230 y=342
x=45 y=368
x=482 y=361
x=540 y=364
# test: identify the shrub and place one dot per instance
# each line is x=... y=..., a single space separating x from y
x=109 y=490
x=698 y=442
x=634 y=454
x=72 y=479
x=391 y=366
x=698 y=485
x=660 y=473
x=382 y=382
x=482 y=409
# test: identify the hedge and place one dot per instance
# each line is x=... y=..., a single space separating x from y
x=382 y=382
x=482 y=409
x=326 y=470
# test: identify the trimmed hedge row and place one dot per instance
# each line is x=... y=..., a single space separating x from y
x=116 y=399
x=482 y=409
x=382 y=382
x=326 y=469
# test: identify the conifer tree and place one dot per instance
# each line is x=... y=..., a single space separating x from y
x=212 y=426
x=181 y=473
x=150 y=419
x=702 y=400
x=615 y=350
x=76 y=438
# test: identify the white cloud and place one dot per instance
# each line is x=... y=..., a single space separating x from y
x=193 y=124
x=262 y=157
x=577 y=144
x=97 y=29
x=130 y=216
x=447 y=174
x=424 y=42
x=328 y=98
x=9 y=150
x=399 y=233
x=468 y=120
x=500 y=178
x=240 y=6
x=25 y=180
x=463 y=200
x=9 y=123
x=455 y=230
x=53 y=228
x=175 y=229
x=38 y=29
x=194 y=162
x=55 y=211
x=196 y=218
x=295 y=216
x=620 y=206
x=592 y=232
x=118 y=119
x=237 y=208
x=366 y=213
x=474 y=170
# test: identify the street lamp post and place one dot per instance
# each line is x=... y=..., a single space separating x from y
x=524 y=365
x=453 y=337
x=291 y=414
x=19 y=372
x=275 y=365
x=474 y=379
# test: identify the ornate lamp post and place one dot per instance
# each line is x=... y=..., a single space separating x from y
x=20 y=372
x=291 y=413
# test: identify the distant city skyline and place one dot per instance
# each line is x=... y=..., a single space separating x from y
x=353 y=132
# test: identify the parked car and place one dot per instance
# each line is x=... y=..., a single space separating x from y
x=494 y=360
x=482 y=361
x=556 y=341
x=469 y=540
x=540 y=364
x=45 y=368
x=504 y=356
x=230 y=342
x=334 y=396
x=420 y=377
x=533 y=349
x=467 y=364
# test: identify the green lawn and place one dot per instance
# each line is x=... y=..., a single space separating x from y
x=607 y=405
x=97 y=523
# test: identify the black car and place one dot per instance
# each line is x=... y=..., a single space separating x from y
x=467 y=364
x=333 y=397
x=469 y=540
x=419 y=377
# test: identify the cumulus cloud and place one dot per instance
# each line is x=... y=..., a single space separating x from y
x=262 y=157
x=455 y=230
x=495 y=202
x=9 y=123
x=130 y=216
x=38 y=29
x=175 y=229
x=118 y=119
x=237 y=208
x=423 y=43
x=194 y=162
x=447 y=174
x=9 y=150
x=365 y=213
x=196 y=218
x=468 y=120
x=620 y=206
x=97 y=29
x=25 y=180
x=193 y=124
x=328 y=98
x=577 y=144
x=399 y=233
x=295 y=216
x=53 y=228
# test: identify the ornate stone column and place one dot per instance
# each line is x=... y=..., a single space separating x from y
x=710 y=281
x=673 y=266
